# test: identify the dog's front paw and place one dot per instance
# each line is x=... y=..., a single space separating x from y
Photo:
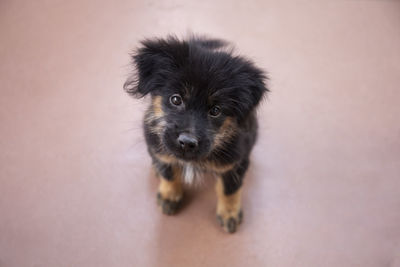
x=168 y=206
x=230 y=220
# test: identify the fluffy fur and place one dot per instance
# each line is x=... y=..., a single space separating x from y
x=202 y=113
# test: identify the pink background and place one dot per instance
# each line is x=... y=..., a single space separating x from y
x=75 y=182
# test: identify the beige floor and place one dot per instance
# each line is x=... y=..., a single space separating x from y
x=75 y=182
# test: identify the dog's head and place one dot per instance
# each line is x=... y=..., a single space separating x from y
x=201 y=93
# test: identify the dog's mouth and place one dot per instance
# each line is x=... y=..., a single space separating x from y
x=186 y=156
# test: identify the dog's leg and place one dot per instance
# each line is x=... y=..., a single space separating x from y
x=170 y=189
x=229 y=194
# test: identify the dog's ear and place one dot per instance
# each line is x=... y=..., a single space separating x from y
x=253 y=80
x=258 y=86
x=154 y=62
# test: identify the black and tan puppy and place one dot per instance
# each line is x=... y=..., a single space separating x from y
x=201 y=117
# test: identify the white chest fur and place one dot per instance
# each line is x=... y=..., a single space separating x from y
x=191 y=173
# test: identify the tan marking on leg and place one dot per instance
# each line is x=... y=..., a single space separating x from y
x=171 y=190
x=227 y=129
x=228 y=207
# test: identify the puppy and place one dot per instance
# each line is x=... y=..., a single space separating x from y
x=201 y=117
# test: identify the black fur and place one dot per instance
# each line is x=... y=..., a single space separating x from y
x=205 y=73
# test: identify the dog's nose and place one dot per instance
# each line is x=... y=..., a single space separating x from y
x=187 y=141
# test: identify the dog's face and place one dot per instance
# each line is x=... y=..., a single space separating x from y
x=200 y=94
x=192 y=121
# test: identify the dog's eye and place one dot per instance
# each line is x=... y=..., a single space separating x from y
x=215 y=111
x=176 y=100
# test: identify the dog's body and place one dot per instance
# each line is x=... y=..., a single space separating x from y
x=201 y=117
